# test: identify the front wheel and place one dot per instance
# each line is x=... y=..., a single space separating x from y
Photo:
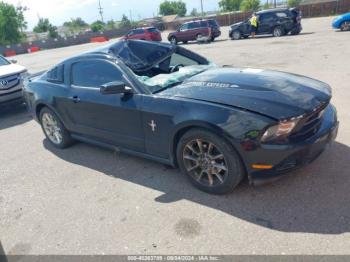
x=173 y=40
x=54 y=129
x=236 y=35
x=210 y=163
x=277 y=31
x=345 y=26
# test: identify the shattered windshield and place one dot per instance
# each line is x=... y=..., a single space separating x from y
x=140 y=55
x=157 y=65
x=163 y=81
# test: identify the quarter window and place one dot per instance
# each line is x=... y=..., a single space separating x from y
x=94 y=73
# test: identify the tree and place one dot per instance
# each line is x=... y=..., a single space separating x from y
x=194 y=12
x=250 y=5
x=53 y=32
x=44 y=26
x=294 y=3
x=12 y=23
x=110 y=24
x=76 y=25
x=230 y=5
x=266 y=6
x=125 y=23
x=97 y=26
x=173 y=8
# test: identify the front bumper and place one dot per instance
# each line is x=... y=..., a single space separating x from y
x=287 y=158
x=11 y=97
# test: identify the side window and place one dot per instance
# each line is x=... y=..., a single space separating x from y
x=184 y=27
x=193 y=25
x=265 y=18
x=132 y=32
x=177 y=59
x=203 y=24
x=94 y=73
x=281 y=15
x=139 y=31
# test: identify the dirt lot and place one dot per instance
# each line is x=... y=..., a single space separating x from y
x=88 y=200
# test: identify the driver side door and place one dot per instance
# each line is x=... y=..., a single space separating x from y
x=114 y=118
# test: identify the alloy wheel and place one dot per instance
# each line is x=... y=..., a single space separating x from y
x=236 y=35
x=277 y=32
x=345 y=26
x=52 y=128
x=173 y=41
x=205 y=162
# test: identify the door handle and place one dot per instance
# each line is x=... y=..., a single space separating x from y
x=75 y=99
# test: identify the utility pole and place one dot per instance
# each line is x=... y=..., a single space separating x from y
x=202 y=7
x=100 y=9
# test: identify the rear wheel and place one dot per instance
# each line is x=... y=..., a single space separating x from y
x=173 y=40
x=277 y=31
x=210 y=163
x=236 y=35
x=345 y=26
x=54 y=129
x=199 y=37
x=185 y=42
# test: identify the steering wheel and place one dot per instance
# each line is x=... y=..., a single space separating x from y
x=176 y=68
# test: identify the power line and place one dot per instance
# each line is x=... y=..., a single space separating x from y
x=100 y=10
x=202 y=7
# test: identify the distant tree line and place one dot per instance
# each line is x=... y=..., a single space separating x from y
x=13 y=24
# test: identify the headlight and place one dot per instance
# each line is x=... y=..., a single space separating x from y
x=280 y=131
x=24 y=75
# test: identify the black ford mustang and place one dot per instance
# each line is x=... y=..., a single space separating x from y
x=163 y=102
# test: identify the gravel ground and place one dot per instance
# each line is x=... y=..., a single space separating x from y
x=88 y=200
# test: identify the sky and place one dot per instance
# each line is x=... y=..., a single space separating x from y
x=59 y=11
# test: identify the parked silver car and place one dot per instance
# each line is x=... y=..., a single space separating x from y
x=11 y=81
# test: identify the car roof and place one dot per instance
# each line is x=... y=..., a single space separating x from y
x=198 y=20
x=275 y=10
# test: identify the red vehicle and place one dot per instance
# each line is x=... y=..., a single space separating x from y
x=195 y=30
x=146 y=33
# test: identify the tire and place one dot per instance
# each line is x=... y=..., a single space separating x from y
x=217 y=170
x=345 y=26
x=277 y=31
x=295 y=32
x=54 y=129
x=173 y=40
x=198 y=37
x=236 y=35
x=212 y=39
x=245 y=36
x=185 y=42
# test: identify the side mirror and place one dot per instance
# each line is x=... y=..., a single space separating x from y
x=116 y=87
x=13 y=61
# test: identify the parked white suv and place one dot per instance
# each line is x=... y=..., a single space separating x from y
x=11 y=81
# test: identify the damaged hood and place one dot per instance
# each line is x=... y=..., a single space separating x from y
x=275 y=94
